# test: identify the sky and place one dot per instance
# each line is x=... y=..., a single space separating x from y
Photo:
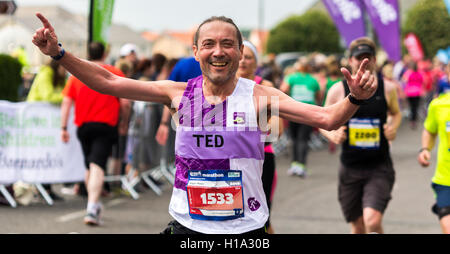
x=160 y=15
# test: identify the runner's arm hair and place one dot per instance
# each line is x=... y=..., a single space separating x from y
x=105 y=82
x=329 y=118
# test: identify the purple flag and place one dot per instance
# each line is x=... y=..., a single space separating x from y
x=385 y=18
x=348 y=17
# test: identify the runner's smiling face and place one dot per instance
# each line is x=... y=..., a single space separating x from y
x=218 y=52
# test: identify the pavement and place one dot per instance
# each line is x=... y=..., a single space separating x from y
x=300 y=206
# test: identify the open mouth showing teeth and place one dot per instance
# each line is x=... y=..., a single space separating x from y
x=219 y=64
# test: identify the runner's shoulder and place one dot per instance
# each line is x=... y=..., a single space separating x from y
x=265 y=90
x=336 y=93
x=389 y=85
x=171 y=88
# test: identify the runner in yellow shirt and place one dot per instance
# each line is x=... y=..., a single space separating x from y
x=438 y=124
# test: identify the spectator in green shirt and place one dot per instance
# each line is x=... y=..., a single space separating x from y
x=302 y=87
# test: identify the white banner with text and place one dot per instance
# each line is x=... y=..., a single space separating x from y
x=31 y=149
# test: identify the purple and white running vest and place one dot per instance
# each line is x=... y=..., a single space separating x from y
x=219 y=154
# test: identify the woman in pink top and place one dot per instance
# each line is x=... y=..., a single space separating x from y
x=413 y=91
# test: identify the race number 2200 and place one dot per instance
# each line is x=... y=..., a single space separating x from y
x=364 y=133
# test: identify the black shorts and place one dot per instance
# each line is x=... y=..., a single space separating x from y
x=175 y=228
x=361 y=188
x=96 y=141
x=267 y=179
x=268 y=176
x=118 y=149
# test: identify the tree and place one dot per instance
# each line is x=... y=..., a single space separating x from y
x=312 y=31
x=10 y=78
x=430 y=21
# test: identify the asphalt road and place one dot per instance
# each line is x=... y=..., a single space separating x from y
x=300 y=206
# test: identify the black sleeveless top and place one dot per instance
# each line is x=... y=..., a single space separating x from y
x=366 y=146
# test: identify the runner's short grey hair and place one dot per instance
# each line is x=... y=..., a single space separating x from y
x=222 y=19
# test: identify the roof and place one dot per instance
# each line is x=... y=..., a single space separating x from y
x=73 y=27
x=70 y=27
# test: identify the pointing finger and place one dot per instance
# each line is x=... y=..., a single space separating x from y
x=362 y=69
x=45 y=22
x=363 y=65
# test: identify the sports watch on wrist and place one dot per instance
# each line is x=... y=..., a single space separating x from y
x=61 y=53
x=355 y=101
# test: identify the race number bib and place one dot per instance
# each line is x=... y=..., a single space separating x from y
x=215 y=194
x=364 y=133
x=447 y=130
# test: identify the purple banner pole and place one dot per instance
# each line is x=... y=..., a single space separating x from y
x=385 y=17
x=348 y=17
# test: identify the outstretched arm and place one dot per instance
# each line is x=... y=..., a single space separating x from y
x=97 y=77
x=329 y=118
x=362 y=86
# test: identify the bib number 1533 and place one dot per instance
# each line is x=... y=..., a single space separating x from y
x=217 y=198
x=215 y=194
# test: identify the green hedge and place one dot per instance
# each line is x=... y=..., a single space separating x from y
x=312 y=31
x=10 y=78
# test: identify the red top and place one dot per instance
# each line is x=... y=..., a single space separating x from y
x=92 y=106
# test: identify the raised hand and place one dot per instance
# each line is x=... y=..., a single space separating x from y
x=362 y=85
x=45 y=38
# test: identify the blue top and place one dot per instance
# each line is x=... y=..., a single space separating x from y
x=185 y=69
x=444 y=85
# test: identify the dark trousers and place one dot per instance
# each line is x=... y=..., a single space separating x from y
x=414 y=103
x=300 y=134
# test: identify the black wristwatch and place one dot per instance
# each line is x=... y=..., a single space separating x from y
x=355 y=101
x=61 y=53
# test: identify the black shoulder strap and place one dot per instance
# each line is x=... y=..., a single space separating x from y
x=346 y=89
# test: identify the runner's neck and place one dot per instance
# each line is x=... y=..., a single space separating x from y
x=216 y=94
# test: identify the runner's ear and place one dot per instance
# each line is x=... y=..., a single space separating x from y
x=241 y=49
x=195 y=51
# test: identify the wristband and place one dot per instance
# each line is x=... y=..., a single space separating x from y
x=61 y=53
x=164 y=123
x=355 y=101
x=423 y=148
x=64 y=128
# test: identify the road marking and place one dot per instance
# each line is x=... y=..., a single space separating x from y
x=80 y=214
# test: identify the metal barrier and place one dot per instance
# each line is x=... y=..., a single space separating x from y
x=8 y=196
x=148 y=152
x=12 y=202
x=160 y=160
